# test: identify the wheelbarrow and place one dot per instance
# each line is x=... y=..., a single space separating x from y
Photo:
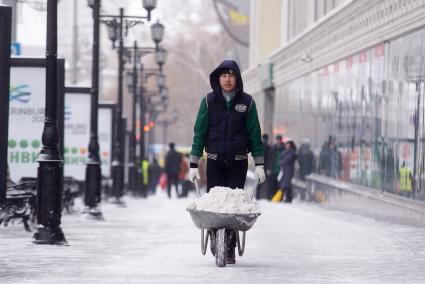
x=220 y=226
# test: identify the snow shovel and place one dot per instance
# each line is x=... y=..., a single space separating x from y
x=219 y=227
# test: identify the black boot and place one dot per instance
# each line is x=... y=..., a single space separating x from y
x=288 y=195
x=231 y=256
x=231 y=245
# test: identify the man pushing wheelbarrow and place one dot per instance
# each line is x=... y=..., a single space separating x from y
x=227 y=127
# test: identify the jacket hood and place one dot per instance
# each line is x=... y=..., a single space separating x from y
x=214 y=76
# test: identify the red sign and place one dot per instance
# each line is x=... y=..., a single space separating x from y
x=363 y=57
x=349 y=62
x=336 y=67
x=380 y=50
x=406 y=151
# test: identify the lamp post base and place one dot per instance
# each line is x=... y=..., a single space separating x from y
x=49 y=236
x=92 y=194
x=132 y=179
x=117 y=180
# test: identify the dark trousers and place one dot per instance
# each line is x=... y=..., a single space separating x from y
x=288 y=194
x=226 y=173
x=272 y=185
x=172 y=178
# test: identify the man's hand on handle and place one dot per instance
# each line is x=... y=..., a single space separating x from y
x=194 y=173
x=259 y=173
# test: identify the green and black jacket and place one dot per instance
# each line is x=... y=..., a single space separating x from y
x=240 y=110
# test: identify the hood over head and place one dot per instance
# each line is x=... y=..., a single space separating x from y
x=224 y=67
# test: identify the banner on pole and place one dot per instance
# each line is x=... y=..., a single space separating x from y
x=105 y=124
x=27 y=102
x=77 y=131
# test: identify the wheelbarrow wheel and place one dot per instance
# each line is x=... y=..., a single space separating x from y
x=221 y=248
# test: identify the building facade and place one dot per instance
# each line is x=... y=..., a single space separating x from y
x=353 y=75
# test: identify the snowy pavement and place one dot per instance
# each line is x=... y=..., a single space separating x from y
x=155 y=241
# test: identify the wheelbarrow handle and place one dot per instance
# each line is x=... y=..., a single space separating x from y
x=198 y=191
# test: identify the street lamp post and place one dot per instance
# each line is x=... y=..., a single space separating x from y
x=142 y=110
x=145 y=74
x=135 y=172
x=132 y=169
x=160 y=57
x=115 y=31
x=135 y=164
x=118 y=160
x=166 y=123
x=5 y=35
x=93 y=171
x=49 y=195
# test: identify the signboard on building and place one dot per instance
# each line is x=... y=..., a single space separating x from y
x=105 y=132
x=265 y=72
x=77 y=131
x=26 y=114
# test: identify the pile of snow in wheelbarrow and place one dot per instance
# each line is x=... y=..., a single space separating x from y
x=225 y=200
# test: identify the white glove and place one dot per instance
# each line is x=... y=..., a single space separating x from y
x=259 y=173
x=194 y=173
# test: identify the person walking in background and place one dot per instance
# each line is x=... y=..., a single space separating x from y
x=287 y=164
x=262 y=189
x=274 y=167
x=186 y=185
x=389 y=171
x=330 y=159
x=324 y=158
x=173 y=162
x=334 y=166
x=145 y=181
x=406 y=181
x=306 y=160
x=154 y=174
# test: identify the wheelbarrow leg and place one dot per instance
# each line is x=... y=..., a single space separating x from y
x=213 y=240
x=204 y=241
x=241 y=247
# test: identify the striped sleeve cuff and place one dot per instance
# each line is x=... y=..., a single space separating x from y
x=194 y=160
x=259 y=160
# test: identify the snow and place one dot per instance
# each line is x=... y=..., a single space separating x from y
x=155 y=241
x=225 y=200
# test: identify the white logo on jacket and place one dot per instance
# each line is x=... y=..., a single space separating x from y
x=241 y=108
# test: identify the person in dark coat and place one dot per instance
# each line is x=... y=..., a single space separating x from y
x=154 y=174
x=306 y=160
x=173 y=161
x=273 y=166
x=324 y=159
x=287 y=164
x=388 y=171
x=334 y=167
